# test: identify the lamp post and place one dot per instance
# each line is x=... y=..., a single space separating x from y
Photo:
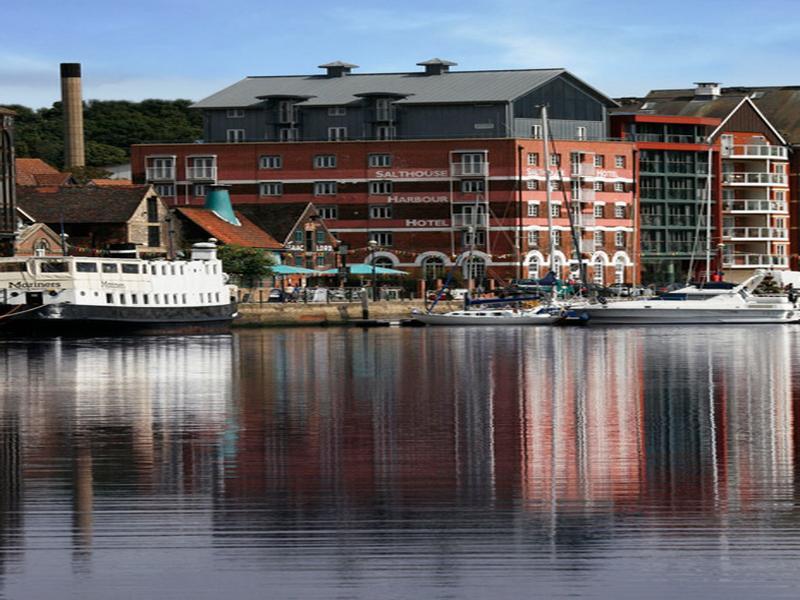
x=372 y=246
x=343 y=248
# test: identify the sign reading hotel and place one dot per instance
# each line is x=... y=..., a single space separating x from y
x=409 y=173
x=427 y=223
x=417 y=199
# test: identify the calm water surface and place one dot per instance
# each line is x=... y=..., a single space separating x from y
x=403 y=463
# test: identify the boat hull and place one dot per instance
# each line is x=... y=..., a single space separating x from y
x=689 y=316
x=78 y=320
x=444 y=319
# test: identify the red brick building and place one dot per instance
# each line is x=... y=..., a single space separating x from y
x=430 y=204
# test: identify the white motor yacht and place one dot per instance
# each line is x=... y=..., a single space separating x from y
x=494 y=316
x=695 y=305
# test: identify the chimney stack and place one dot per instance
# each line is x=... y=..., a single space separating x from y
x=72 y=105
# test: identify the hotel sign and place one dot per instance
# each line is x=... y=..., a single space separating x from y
x=410 y=173
x=417 y=199
x=427 y=223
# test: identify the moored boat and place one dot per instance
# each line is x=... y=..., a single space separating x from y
x=490 y=317
x=52 y=295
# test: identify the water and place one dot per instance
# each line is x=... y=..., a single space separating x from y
x=402 y=463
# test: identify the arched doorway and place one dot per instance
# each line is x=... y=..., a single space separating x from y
x=475 y=268
x=433 y=268
x=619 y=270
x=598 y=267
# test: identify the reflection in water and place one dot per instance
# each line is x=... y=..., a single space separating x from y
x=400 y=462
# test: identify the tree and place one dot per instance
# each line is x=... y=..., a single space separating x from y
x=248 y=265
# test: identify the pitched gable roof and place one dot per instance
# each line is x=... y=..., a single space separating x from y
x=110 y=182
x=247 y=234
x=81 y=204
x=279 y=220
x=34 y=171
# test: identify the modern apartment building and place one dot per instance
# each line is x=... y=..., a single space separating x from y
x=440 y=168
x=8 y=217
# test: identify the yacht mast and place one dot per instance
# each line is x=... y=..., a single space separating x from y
x=548 y=192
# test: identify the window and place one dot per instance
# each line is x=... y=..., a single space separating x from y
x=533 y=159
x=200 y=190
x=599 y=271
x=109 y=298
x=337 y=111
x=619 y=211
x=472 y=186
x=380 y=160
x=133 y=299
x=619 y=186
x=110 y=268
x=533 y=209
x=377 y=188
x=325 y=161
x=555 y=160
x=477 y=238
x=328 y=212
x=555 y=210
x=337 y=134
x=433 y=268
x=271 y=161
x=145 y=299
x=165 y=190
x=597 y=186
x=597 y=238
x=321 y=261
x=619 y=239
x=235 y=113
x=556 y=238
x=299 y=236
x=286 y=111
x=234 y=135
x=160 y=168
x=384 y=132
x=53 y=267
x=533 y=239
x=473 y=163
x=320 y=233
x=84 y=267
x=288 y=134
x=619 y=162
x=380 y=212
x=580 y=133
x=599 y=211
x=384 y=238
x=324 y=188
x=152 y=209
x=122 y=298
x=555 y=185
x=130 y=269
x=532 y=184
x=271 y=188
x=536 y=132
x=154 y=236
x=599 y=160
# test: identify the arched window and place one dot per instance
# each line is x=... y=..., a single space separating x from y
x=475 y=269
x=599 y=271
x=557 y=266
x=534 y=267
x=384 y=262
x=42 y=245
x=432 y=268
x=619 y=270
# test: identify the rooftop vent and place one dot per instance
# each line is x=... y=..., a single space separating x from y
x=707 y=90
x=338 y=68
x=436 y=66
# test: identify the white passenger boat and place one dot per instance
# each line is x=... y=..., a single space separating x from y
x=49 y=295
x=694 y=306
x=492 y=317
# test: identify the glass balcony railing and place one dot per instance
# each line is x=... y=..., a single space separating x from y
x=756 y=151
x=744 y=261
x=755 y=233
x=754 y=179
x=754 y=206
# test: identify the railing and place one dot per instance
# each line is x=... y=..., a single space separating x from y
x=201 y=173
x=766 y=206
x=659 y=167
x=756 y=151
x=473 y=169
x=671 y=247
x=160 y=173
x=756 y=233
x=382 y=114
x=470 y=220
x=586 y=195
x=670 y=138
x=754 y=178
x=585 y=220
x=583 y=170
x=652 y=220
x=754 y=260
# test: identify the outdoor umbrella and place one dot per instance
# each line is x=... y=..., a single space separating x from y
x=290 y=270
x=364 y=269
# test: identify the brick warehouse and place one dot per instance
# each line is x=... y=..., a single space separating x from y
x=437 y=167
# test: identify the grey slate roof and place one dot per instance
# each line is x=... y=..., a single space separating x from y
x=419 y=88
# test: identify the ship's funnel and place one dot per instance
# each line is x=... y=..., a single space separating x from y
x=72 y=103
x=218 y=200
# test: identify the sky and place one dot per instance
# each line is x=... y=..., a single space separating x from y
x=190 y=49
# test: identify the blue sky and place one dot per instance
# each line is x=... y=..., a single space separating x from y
x=189 y=49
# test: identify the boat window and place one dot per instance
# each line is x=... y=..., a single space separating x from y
x=181 y=269
x=155 y=298
x=109 y=298
x=53 y=267
x=130 y=269
x=13 y=267
x=497 y=314
x=173 y=269
x=145 y=299
x=217 y=295
x=154 y=269
x=133 y=299
x=163 y=269
x=166 y=298
x=122 y=298
x=85 y=267
x=183 y=298
x=175 y=296
x=480 y=314
x=209 y=298
x=110 y=268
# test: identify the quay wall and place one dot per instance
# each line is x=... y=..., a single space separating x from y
x=280 y=315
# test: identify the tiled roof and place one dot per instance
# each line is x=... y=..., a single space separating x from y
x=278 y=220
x=110 y=182
x=416 y=87
x=34 y=171
x=81 y=204
x=247 y=234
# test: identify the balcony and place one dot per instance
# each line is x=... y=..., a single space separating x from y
x=585 y=195
x=669 y=139
x=750 y=261
x=754 y=179
x=469 y=169
x=756 y=151
x=754 y=206
x=755 y=233
x=585 y=220
x=382 y=115
x=201 y=173
x=160 y=173
x=460 y=221
x=583 y=170
x=672 y=247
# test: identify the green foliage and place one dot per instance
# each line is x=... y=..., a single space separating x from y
x=83 y=174
x=110 y=126
x=248 y=265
